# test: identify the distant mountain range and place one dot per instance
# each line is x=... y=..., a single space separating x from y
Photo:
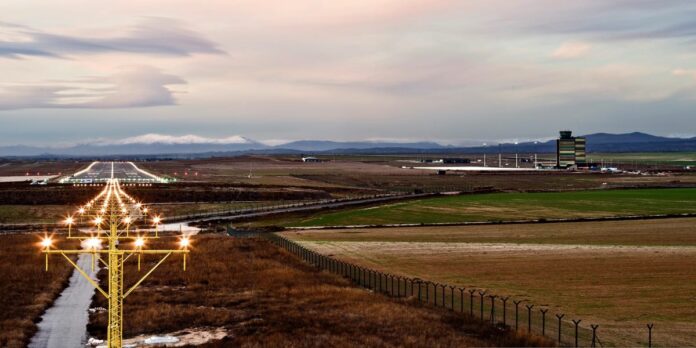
x=599 y=142
x=605 y=142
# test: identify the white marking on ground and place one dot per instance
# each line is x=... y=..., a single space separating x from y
x=187 y=337
x=429 y=247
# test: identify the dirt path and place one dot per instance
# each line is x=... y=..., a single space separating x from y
x=65 y=324
x=441 y=247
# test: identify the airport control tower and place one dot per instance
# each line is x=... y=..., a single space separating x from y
x=570 y=151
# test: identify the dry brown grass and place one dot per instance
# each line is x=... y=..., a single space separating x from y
x=265 y=296
x=20 y=167
x=12 y=214
x=26 y=291
x=673 y=232
x=384 y=172
x=571 y=268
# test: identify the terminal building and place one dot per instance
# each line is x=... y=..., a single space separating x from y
x=571 y=151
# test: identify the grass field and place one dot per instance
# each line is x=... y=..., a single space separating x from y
x=385 y=173
x=262 y=296
x=26 y=290
x=515 y=206
x=620 y=274
x=14 y=214
x=662 y=158
x=44 y=167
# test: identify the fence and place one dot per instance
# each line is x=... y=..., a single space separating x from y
x=255 y=208
x=519 y=315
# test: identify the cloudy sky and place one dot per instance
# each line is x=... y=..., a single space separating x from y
x=452 y=71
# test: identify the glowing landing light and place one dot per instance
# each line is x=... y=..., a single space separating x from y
x=127 y=220
x=46 y=242
x=139 y=242
x=81 y=211
x=98 y=220
x=69 y=221
x=184 y=242
x=156 y=220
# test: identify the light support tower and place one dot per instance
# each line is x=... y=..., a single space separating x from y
x=119 y=211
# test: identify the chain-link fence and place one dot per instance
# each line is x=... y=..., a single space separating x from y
x=262 y=207
x=520 y=315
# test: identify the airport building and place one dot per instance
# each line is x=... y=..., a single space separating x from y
x=571 y=151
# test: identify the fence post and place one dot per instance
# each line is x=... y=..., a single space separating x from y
x=427 y=292
x=471 y=302
x=529 y=317
x=504 y=300
x=444 y=303
x=482 y=294
x=543 y=321
x=419 y=291
x=560 y=317
x=650 y=327
x=452 y=299
x=576 y=322
x=391 y=285
x=435 y=286
x=594 y=335
x=461 y=300
x=493 y=297
x=517 y=314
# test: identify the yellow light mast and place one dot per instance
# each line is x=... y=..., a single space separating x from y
x=120 y=211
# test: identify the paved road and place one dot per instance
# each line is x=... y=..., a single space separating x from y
x=103 y=171
x=65 y=324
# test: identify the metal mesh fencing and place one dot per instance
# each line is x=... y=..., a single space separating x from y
x=517 y=314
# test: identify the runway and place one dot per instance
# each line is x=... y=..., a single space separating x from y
x=99 y=172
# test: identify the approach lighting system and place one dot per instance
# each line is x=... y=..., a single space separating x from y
x=113 y=246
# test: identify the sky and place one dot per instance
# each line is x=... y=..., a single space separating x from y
x=452 y=71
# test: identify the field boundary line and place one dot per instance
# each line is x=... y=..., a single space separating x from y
x=502 y=222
